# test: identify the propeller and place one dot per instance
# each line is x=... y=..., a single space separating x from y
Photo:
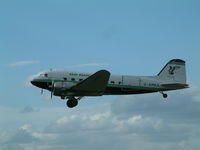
x=52 y=89
x=41 y=91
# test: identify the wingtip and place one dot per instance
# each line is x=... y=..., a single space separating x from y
x=105 y=71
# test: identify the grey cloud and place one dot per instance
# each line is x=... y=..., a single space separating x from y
x=139 y=122
x=21 y=137
x=11 y=147
x=17 y=140
x=86 y=122
x=179 y=106
x=109 y=32
x=178 y=116
x=23 y=63
x=146 y=128
x=28 y=109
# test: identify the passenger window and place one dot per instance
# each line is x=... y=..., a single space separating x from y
x=73 y=79
x=80 y=79
x=112 y=82
x=46 y=75
x=119 y=82
x=65 y=78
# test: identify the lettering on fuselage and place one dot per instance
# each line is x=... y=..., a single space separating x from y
x=154 y=84
x=73 y=74
x=84 y=75
x=151 y=84
x=78 y=74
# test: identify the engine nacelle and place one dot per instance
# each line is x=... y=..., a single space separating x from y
x=63 y=85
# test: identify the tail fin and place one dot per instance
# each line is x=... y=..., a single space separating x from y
x=174 y=71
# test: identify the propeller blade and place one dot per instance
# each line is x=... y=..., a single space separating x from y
x=52 y=89
x=51 y=94
x=41 y=91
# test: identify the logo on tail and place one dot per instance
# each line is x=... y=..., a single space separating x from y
x=172 y=69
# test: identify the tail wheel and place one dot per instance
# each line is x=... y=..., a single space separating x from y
x=164 y=95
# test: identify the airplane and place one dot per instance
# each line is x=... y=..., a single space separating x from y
x=75 y=85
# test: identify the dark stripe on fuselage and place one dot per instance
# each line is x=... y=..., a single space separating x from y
x=123 y=91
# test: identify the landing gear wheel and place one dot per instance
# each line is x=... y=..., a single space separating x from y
x=164 y=95
x=72 y=103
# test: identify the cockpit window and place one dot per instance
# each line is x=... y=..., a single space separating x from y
x=44 y=75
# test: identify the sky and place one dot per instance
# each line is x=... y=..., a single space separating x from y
x=131 y=37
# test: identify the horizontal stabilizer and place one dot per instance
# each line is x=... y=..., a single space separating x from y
x=175 y=85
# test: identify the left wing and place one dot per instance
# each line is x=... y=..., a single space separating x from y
x=95 y=83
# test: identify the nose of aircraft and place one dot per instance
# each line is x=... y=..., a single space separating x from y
x=36 y=83
x=33 y=82
x=40 y=84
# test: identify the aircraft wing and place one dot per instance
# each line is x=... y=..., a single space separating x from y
x=95 y=83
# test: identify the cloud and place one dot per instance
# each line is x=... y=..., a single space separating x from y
x=109 y=32
x=29 y=109
x=88 y=65
x=177 y=118
x=11 y=147
x=22 y=136
x=182 y=105
x=130 y=122
x=18 y=139
x=23 y=63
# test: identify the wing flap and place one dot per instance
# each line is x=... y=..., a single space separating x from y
x=95 y=83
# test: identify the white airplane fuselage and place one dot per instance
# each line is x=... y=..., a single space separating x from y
x=117 y=84
x=66 y=84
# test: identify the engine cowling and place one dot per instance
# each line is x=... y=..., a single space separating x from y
x=63 y=85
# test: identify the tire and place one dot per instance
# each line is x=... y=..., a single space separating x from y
x=72 y=103
x=164 y=95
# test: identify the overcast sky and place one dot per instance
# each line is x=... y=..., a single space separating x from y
x=132 y=37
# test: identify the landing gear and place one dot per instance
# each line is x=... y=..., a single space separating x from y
x=164 y=95
x=72 y=101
